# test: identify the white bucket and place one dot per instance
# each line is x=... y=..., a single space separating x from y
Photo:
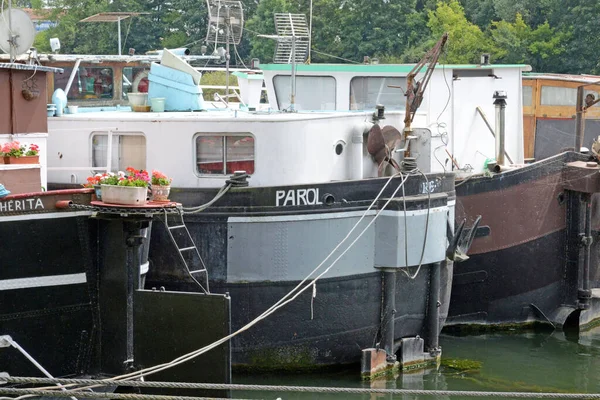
x=128 y=195
x=137 y=99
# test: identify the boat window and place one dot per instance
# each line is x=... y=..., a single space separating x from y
x=367 y=92
x=562 y=96
x=135 y=79
x=90 y=83
x=312 y=92
x=527 y=96
x=128 y=150
x=558 y=96
x=472 y=73
x=220 y=154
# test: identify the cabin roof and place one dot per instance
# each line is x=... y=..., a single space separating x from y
x=48 y=58
x=584 y=78
x=28 y=67
x=369 y=68
x=210 y=116
x=111 y=16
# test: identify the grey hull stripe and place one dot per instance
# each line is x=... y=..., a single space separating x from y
x=54 y=215
x=301 y=217
x=42 y=281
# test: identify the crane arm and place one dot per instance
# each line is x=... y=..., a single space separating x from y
x=415 y=89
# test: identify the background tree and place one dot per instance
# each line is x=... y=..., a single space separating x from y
x=466 y=41
x=551 y=35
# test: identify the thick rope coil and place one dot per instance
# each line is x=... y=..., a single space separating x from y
x=238 y=179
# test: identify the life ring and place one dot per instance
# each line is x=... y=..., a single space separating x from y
x=140 y=79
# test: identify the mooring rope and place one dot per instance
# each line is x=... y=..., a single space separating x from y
x=99 y=395
x=289 y=297
x=265 y=388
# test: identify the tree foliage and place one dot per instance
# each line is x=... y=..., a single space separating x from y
x=466 y=41
x=550 y=35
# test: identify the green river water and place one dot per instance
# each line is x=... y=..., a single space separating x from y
x=523 y=362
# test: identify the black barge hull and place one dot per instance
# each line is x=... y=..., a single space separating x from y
x=258 y=250
x=526 y=263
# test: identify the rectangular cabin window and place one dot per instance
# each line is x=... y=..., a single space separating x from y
x=527 y=96
x=219 y=154
x=562 y=96
x=127 y=150
x=135 y=79
x=367 y=92
x=472 y=73
x=558 y=96
x=89 y=83
x=312 y=92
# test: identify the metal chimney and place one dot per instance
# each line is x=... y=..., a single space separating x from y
x=500 y=103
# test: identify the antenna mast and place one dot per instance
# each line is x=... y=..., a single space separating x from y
x=11 y=37
x=230 y=14
x=293 y=38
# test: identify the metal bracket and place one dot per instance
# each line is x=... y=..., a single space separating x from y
x=406 y=144
x=585 y=241
x=135 y=240
x=5 y=341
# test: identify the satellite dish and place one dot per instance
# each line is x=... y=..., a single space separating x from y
x=21 y=29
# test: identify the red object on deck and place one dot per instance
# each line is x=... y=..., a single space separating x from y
x=62 y=204
x=48 y=193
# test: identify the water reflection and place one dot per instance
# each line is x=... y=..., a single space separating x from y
x=529 y=362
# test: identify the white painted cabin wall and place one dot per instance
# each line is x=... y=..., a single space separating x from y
x=472 y=142
x=289 y=149
x=452 y=114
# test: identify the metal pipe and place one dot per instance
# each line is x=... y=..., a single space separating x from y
x=433 y=314
x=119 y=29
x=579 y=125
x=72 y=76
x=293 y=95
x=134 y=239
x=389 y=313
x=489 y=126
x=585 y=293
x=500 y=103
x=109 y=145
x=11 y=37
x=588 y=243
x=310 y=29
x=227 y=22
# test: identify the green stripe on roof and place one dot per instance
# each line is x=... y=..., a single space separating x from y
x=398 y=68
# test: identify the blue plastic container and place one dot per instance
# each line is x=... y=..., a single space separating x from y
x=176 y=87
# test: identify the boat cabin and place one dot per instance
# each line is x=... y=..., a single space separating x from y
x=456 y=103
x=100 y=80
x=549 y=112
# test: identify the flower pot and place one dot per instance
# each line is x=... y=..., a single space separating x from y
x=160 y=193
x=127 y=195
x=23 y=160
x=98 y=190
x=3 y=160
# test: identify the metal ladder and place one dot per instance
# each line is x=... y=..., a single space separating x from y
x=198 y=275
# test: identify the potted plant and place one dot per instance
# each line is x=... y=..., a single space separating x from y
x=161 y=186
x=17 y=153
x=130 y=187
x=96 y=181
